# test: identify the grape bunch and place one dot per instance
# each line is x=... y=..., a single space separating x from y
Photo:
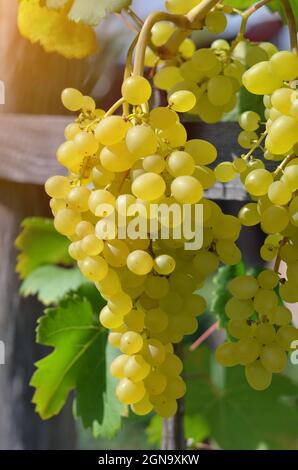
x=119 y=166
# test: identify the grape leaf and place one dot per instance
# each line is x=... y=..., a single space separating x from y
x=111 y=419
x=276 y=5
x=220 y=294
x=78 y=341
x=51 y=283
x=93 y=11
x=238 y=416
x=195 y=426
x=40 y=244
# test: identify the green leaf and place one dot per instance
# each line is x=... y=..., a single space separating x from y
x=238 y=416
x=78 y=341
x=240 y=4
x=93 y=11
x=249 y=102
x=40 y=244
x=195 y=426
x=112 y=410
x=51 y=283
x=276 y=5
x=221 y=295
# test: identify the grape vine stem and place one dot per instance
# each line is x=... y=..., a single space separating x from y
x=291 y=24
x=193 y=20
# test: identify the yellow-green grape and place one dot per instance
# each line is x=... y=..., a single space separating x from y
x=286 y=335
x=273 y=358
x=207 y=111
x=136 y=368
x=275 y=219
x=78 y=197
x=164 y=264
x=205 y=175
x=139 y=262
x=216 y=22
x=88 y=104
x=131 y=343
x=292 y=271
x=182 y=101
x=246 y=139
x=239 y=328
x=84 y=228
x=111 y=284
x=162 y=118
x=289 y=253
x=69 y=157
x=167 y=77
x=92 y=245
x=240 y=165
x=282 y=316
x=154 y=164
x=205 y=264
x=258 y=181
x=66 y=220
x=269 y=48
x=202 y=151
x=86 y=143
x=161 y=32
x=265 y=333
x=265 y=301
x=268 y=279
x=136 y=90
x=268 y=252
x=243 y=287
x=141 y=140
x=57 y=187
x=282 y=135
x=171 y=365
x=279 y=193
x=101 y=177
x=288 y=292
x=285 y=65
x=249 y=121
x=273 y=115
x=182 y=283
x=187 y=189
x=227 y=227
x=94 y=268
x=117 y=366
x=175 y=388
x=114 y=339
x=71 y=130
x=221 y=44
x=226 y=354
x=155 y=383
x=156 y=320
x=281 y=100
x=124 y=202
x=248 y=350
x=204 y=59
x=142 y=407
x=225 y=172
x=75 y=251
x=151 y=58
x=257 y=376
x=129 y=392
x=135 y=320
x=261 y=79
x=194 y=304
x=181 y=7
x=294 y=109
x=228 y=252
x=154 y=352
x=101 y=200
x=219 y=90
x=166 y=407
x=175 y=135
x=148 y=186
x=120 y=303
x=56 y=205
x=109 y=319
x=180 y=163
x=111 y=130
x=187 y=48
x=116 y=253
x=156 y=287
x=72 y=99
x=249 y=215
x=117 y=158
x=239 y=309
x=254 y=55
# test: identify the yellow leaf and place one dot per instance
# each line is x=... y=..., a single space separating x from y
x=55 y=31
